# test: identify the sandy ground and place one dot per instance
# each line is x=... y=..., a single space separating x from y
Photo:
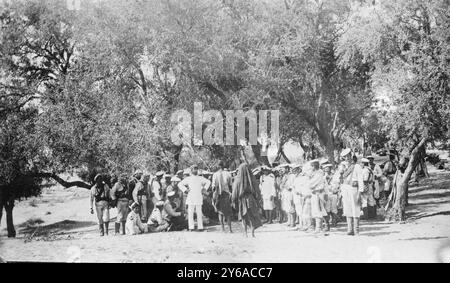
x=57 y=226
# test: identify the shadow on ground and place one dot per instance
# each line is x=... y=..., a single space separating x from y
x=426 y=197
x=35 y=229
x=424 y=238
x=369 y=228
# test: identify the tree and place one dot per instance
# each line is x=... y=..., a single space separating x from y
x=407 y=43
x=57 y=114
x=28 y=64
x=295 y=60
x=373 y=130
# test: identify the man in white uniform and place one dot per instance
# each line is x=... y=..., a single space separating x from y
x=268 y=192
x=305 y=195
x=352 y=185
x=299 y=180
x=194 y=186
x=134 y=224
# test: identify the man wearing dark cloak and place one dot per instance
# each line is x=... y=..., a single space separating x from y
x=245 y=199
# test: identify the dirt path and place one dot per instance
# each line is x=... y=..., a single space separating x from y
x=58 y=227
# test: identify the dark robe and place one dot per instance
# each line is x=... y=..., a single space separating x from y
x=246 y=196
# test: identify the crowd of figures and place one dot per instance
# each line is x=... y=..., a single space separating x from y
x=310 y=198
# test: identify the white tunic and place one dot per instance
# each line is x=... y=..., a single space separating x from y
x=267 y=185
x=134 y=225
x=351 y=202
x=194 y=186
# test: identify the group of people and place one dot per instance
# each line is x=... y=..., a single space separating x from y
x=143 y=203
x=316 y=197
x=313 y=196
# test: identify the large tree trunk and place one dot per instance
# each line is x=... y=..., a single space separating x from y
x=9 y=206
x=176 y=156
x=7 y=202
x=329 y=149
x=396 y=208
x=326 y=139
x=407 y=196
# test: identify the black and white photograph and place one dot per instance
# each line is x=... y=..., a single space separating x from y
x=225 y=132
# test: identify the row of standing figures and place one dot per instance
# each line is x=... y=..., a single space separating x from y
x=312 y=197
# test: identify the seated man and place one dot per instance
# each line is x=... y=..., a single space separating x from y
x=179 y=195
x=133 y=224
x=173 y=214
x=156 y=223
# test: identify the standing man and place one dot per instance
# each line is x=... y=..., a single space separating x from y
x=194 y=186
x=165 y=185
x=299 y=182
x=389 y=171
x=135 y=179
x=283 y=186
x=186 y=173
x=352 y=185
x=245 y=199
x=101 y=195
x=367 y=199
x=306 y=195
x=221 y=185
x=268 y=192
x=331 y=197
x=278 y=209
x=140 y=195
x=292 y=219
x=316 y=185
x=336 y=181
x=156 y=187
x=377 y=175
x=121 y=193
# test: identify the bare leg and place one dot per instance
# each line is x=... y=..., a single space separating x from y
x=252 y=229
x=221 y=222
x=244 y=225
x=229 y=223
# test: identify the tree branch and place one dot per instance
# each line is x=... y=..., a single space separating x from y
x=344 y=126
x=61 y=181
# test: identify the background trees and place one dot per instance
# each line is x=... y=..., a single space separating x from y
x=407 y=43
